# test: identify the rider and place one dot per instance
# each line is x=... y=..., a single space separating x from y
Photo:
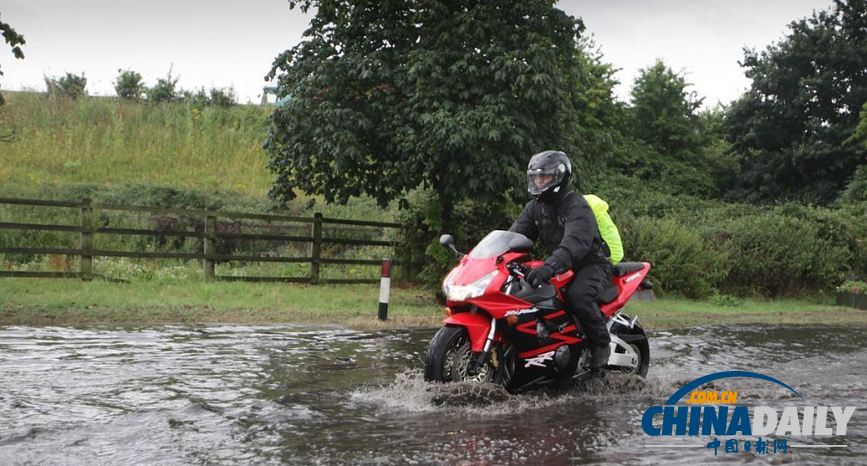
x=565 y=224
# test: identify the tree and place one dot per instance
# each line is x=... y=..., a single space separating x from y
x=164 y=90
x=390 y=96
x=69 y=85
x=859 y=136
x=663 y=113
x=600 y=117
x=790 y=126
x=129 y=85
x=15 y=41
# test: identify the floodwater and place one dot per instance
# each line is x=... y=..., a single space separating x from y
x=301 y=395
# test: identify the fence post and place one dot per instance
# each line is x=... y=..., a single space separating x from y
x=210 y=238
x=317 y=248
x=85 y=266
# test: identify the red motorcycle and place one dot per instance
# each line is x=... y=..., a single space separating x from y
x=500 y=329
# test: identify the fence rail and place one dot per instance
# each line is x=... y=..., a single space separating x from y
x=208 y=234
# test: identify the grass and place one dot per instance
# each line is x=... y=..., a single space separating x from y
x=72 y=302
x=108 y=141
x=76 y=303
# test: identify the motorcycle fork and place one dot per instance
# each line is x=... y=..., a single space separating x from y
x=486 y=352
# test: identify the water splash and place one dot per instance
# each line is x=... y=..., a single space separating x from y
x=410 y=393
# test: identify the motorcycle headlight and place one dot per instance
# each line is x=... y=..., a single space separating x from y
x=471 y=290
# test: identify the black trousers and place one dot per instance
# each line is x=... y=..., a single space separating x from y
x=581 y=296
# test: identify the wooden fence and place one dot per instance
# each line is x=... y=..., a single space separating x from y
x=208 y=235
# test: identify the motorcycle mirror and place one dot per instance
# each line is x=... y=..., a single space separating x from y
x=448 y=242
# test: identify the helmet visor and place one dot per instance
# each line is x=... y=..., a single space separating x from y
x=540 y=180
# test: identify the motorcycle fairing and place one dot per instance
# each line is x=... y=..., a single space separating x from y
x=626 y=286
x=477 y=325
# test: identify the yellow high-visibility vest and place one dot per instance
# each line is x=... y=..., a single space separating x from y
x=607 y=228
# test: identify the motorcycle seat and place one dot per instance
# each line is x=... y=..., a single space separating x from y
x=624 y=268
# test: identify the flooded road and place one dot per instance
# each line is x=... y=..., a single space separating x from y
x=301 y=395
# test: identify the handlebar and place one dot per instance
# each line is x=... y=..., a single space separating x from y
x=516 y=269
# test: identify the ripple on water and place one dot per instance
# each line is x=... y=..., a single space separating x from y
x=290 y=394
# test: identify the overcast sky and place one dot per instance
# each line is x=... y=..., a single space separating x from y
x=219 y=43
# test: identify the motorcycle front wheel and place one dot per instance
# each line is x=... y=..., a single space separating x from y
x=450 y=358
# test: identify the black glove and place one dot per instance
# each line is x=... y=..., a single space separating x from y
x=541 y=275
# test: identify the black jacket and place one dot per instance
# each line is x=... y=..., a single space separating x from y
x=567 y=228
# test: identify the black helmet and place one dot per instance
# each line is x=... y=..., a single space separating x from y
x=547 y=173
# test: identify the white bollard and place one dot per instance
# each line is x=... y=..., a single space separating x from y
x=384 y=288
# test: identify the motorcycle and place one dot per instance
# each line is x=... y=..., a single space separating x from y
x=500 y=329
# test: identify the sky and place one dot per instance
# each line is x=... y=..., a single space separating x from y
x=220 y=43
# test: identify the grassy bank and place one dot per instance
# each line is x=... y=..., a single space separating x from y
x=108 y=141
x=75 y=303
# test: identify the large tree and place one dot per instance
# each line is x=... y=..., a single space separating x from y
x=803 y=103
x=451 y=95
x=663 y=112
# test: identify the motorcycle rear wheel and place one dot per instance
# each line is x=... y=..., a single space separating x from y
x=449 y=358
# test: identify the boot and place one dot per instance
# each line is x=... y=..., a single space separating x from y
x=599 y=357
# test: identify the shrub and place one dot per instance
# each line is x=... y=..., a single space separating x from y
x=164 y=90
x=681 y=261
x=129 y=85
x=853 y=286
x=775 y=253
x=222 y=97
x=422 y=228
x=856 y=189
x=197 y=98
x=70 y=85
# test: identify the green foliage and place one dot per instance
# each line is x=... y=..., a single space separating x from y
x=671 y=144
x=390 y=96
x=856 y=188
x=422 y=224
x=165 y=90
x=129 y=85
x=600 y=117
x=681 y=261
x=776 y=254
x=197 y=98
x=853 y=215
x=859 y=136
x=15 y=41
x=70 y=85
x=663 y=113
x=853 y=286
x=222 y=97
x=724 y=300
x=802 y=105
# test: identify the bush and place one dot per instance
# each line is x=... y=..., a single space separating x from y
x=71 y=85
x=164 y=90
x=197 y=98
x=129 y=85
x=777 y=254
x=856 y=189
x=222 y=97
x=428 y=260
x=681 y=261
x=853 y=286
